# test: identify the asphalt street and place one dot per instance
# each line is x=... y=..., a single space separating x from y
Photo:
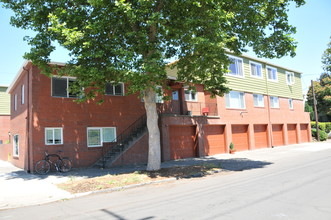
x=291 y=182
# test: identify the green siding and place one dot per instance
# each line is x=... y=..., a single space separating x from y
x=4 y=101
x=263 y=85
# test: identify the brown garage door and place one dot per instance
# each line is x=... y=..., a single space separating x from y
x=292 y=134
x=240 y=137
x=304 y=133
x=261 y=136
x=277 y=135
x=214 y=139
x=182 y=142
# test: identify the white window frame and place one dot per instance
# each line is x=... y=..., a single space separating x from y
x=241 y=96
x=16 y=146
x=63 y=77
x=290 y=103
x=290 y=75
x=272 y=102
x=239 y=69
x=53 y=130
x=22 y=95
x=256 y=69
x=272 y=68
x=258 y=98
x=102 y=139
x=15 y=102
x=114 y=94
x=188 y=96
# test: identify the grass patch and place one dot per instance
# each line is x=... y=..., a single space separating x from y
x=125 y=179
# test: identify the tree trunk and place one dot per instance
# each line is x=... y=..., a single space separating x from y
x=154 y=146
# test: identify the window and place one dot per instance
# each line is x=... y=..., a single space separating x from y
x=256 y=69
x=236 y=67
x=190 y=95
x=115 y=89
x=274 y=102
x=61 y=87
x=258 y=100
x=235 y=99
x=175 y=95
x=272 y=74
x=16 y=146
x=22 y=94
x=15 y=102
x=97 y=136
x=53 y=136
x=158 y=97
x=290 y=103
x=290 y=78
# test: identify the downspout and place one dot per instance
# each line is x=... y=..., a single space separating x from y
x=28 y=118
x=269 y=114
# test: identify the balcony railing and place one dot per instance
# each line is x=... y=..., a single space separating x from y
x=190 y=108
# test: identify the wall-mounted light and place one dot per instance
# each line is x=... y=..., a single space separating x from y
x=241 y=113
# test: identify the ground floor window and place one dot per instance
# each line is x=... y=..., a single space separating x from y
x=16 y=145
x=53 y=136
x=96 y=136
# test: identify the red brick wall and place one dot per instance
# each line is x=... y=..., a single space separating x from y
x=18 y=123
x=136 y=155
x=48 y=111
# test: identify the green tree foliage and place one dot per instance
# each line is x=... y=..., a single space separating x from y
x=323 y=97
x=326 y=58
x=130 y=41
x=310 y=109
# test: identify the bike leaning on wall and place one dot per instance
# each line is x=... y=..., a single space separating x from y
x=61 y=164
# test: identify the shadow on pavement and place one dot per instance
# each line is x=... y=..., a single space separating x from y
x=169 y=168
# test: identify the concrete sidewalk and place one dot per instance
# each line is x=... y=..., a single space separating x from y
x=18 y=188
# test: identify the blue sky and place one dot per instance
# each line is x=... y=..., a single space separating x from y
x=313 y=22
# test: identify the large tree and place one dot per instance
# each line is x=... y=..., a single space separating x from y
x=326 y=59
x=322 y=88
x=130 y=41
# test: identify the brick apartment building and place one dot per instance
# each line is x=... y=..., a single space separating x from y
x=264 y=109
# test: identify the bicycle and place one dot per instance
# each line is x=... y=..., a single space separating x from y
x=61 y=164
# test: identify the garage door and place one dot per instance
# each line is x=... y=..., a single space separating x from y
x=182 y=142
x=261 y=136
x=214 y=139
x=240 y=137
x=277 y=135
x=292 y=134
x=304 y=133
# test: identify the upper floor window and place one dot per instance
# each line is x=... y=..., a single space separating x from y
x=256 y=69
x=190 y=95
x=236 y=66
x=61 y=87
x=22 y=94
x=53 y=136
x=290 y=78
x=112 y=89
x=97 y=136
x=235 y=99
x=258 y=100
x=274 y=102
x=15 y=102
x=272 y=74
x=290 y=103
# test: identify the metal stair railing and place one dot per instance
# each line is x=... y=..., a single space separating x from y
x=124 y=138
